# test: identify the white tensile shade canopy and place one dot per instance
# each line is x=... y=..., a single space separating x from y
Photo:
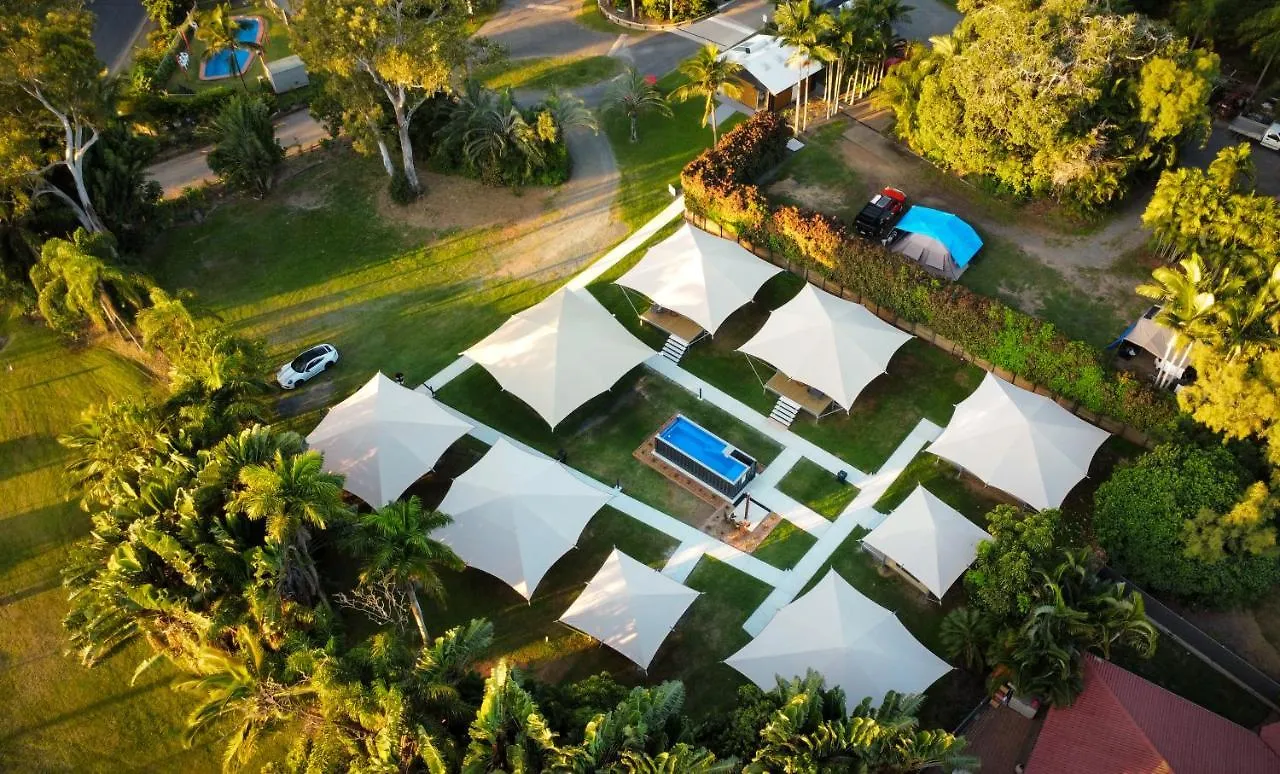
x=699 y=276
x=383 y=438
x=559 y=354
x=630 y=607
x=848 y=639
x=929 y=539
x=828 y=343
x=516 y=513
x=1020 y=442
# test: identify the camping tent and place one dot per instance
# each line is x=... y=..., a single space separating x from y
x=938 y=241
x=828 y=343
x=700 y=276
x=630 y=607
x=848 y=639
x=929 y=539
x=383 y=438
x=515 y=513
x=559 y=354
x=1020 y=442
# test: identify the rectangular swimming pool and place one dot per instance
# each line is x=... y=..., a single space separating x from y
x=706 y=457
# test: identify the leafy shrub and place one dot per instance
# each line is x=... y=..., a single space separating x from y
x=718 y=185
x=247 y=153
x=1140 y=518
x=401 y=192
x=1002 y=581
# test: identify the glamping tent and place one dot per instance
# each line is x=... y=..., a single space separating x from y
x=847 y=638
x=927 y=539
x=827 y=343
x=559 y=354
x=630 y=607
x=699 y=276
x=516 y=513
x=938 y=241
x=383 y=438
x=1020 y=442
x=770 y=72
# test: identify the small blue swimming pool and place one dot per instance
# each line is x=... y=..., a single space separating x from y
x=706 y=457
x=218 y=64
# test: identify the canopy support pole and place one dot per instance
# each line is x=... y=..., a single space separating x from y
x=754 y=371
x=627 y=296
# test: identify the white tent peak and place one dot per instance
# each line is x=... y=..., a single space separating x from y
x=630 y=607
x=828 y=343
x=929 y=539
x=559 y=353
x=848 y=639
x=515 y=513
x=1020 y=442
x=702 y=277
x=383 y=438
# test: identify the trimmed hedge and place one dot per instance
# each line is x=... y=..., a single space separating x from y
x=719 y=185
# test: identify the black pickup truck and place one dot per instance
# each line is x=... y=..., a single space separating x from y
x=880 y=214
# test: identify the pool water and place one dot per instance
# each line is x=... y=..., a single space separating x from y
x=218 y=65
x=704 y=448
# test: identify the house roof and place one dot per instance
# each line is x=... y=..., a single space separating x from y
x=1122 y=723
x=774 y=64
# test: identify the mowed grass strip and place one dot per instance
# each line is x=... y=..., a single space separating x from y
x=785 y=546
x=548 y=72
x=815 y=487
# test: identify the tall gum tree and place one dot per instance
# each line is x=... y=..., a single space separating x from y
x=52 y=102
x=408 y=50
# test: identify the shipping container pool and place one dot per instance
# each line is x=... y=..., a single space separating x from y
x=686 y=445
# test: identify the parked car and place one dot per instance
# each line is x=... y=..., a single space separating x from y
x=1258 y=126
x=303 y=367
x=879 y=215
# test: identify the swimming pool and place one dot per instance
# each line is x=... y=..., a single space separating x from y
x=218 y=64
x=697 y=451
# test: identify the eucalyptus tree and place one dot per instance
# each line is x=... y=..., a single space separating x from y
x=707 y=74
x=631 y=95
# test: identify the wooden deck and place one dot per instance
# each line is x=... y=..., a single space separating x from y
x=676 y=324
x=799 y=393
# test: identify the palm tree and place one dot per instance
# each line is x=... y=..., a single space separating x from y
x=637 y=726
x=569 y=111
x=114 y=445
x=1262 y=32
x=1187 y=303
x=395 y=543
x=246 y=153
x=707 y=75
x=806 y=30
x=498 y=132
x=509 y=732
x=632 y=95
x=291 y=494
x=965 y=635
x=1245 y=318
x=680 y=759
x=220 y=31
x=75 y=280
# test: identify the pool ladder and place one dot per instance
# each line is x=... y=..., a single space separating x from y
x=784 y=411
x=675 y=348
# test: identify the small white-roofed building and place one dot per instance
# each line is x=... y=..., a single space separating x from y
x=1022 y=443
x=630 y=607
x=848 y=639
x=771 y=71
x=560 y=353
x=383 y=438
x=927 y=540
x=286 y=74
x=516 y=513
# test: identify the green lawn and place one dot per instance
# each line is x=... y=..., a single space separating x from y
x=600 y=437
x=819 y=166
x=57 y=715
x=589 y=16
x=275 y=46
x=814 y=486
x=785 y=546
x=548 y=72
x=943 y=480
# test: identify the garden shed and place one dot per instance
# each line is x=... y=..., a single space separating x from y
x=286 y=74
x=383 y=438
x=926 y=540
x=515 y=513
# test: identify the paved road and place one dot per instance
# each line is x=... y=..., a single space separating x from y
x=929 y=18
x=1267 y=161
x=295 y=131
x=118 y=21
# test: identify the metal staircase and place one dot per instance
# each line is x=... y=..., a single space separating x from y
x=784 y=411
x=674 y=349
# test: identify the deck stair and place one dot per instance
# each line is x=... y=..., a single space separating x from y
x=675 y=348
x=784 y=411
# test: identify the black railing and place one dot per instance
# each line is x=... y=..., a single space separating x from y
x=704 y=475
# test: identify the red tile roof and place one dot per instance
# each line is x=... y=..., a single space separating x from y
x=1122 y=724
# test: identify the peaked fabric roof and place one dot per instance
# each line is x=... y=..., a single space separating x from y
x=1020 y=442
x=560 y=353
x=630 y=607
x=700 y=276
x=828 y=343
x=1122 y=723
x=383 y=438
x=516 y=513
x=929 y=539
x=853 y=642
x=957 y=236
x=771 y=62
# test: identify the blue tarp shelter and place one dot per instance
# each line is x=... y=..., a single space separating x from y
x=938 y=241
